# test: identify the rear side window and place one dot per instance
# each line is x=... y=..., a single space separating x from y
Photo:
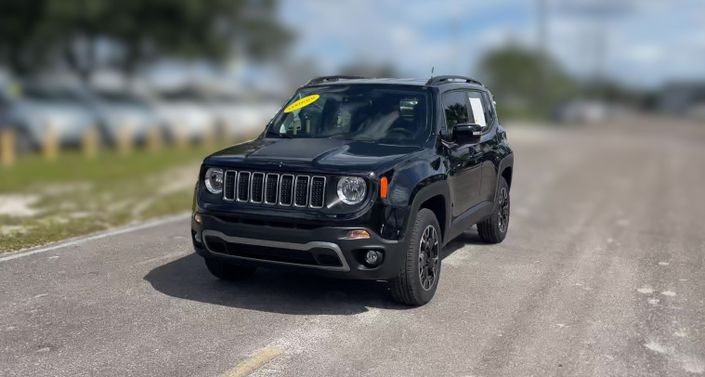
x=490 y=114
x=456 y=109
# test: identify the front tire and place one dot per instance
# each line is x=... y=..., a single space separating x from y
x=494 y=228
x=228 y=271
x=418 y=278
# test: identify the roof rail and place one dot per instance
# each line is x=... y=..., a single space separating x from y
x=451 y=78
x=322 y=79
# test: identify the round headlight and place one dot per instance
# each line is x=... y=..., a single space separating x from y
x=351 y=190
x=214 y=180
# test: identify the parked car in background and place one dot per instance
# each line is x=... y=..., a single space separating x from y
x=39 y=112
x=120 y=113
x=182 y=113
x=580 y=112
x=239 y=115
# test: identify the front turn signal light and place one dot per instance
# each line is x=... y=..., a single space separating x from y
x=357 y=234
x=383 y=187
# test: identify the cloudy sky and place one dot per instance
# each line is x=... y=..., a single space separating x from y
x=639 y=42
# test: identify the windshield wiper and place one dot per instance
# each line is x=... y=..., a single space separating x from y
x=352 y=138
x=280 y=135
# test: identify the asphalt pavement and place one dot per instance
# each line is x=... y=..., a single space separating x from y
x=602 y=274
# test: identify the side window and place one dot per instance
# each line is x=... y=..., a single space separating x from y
x=477 y=109
x=490 y=114
x=455 y=107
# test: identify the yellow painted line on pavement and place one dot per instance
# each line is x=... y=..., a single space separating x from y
x=255 y=362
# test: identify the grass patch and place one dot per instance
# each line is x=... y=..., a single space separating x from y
x=74 y=195
x=106 y=168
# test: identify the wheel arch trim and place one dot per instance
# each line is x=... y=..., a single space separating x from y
x=506 y=162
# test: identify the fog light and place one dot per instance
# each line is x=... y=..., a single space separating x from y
x=197 y=218
x=197 y=237
x=357 y=234
x=373 y=258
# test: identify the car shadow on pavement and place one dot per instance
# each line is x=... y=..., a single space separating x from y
x=467 y=238
x=276 y=290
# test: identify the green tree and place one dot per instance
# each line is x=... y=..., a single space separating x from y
x=24 y=34
x=37 y=33
x=366 y=69
x=514 y=73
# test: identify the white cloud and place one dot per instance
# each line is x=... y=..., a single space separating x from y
x=414 y=35
x=646 y=53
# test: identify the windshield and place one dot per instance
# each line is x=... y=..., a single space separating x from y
x=382 y=114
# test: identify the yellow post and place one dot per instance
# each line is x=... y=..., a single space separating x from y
x=89 y=143
x=230 y=134
x=124 y=142
x=208 y=138
x=154 y=139
x=7 y=147
x=51 y=143
x=221 y=133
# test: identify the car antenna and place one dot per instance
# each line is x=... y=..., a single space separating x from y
x=433 y=67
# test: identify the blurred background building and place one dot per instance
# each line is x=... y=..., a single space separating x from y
x=113 y=78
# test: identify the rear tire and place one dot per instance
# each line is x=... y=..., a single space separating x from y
x=418 y=278
x=494 y=228
x=228 y=271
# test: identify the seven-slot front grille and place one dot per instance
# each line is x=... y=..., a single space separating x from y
x=301 y=191
x=275 y=189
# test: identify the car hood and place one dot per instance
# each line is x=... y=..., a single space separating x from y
x=316 y=154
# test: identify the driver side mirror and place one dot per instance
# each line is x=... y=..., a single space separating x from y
x=467 y=133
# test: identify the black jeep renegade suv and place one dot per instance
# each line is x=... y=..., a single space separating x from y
x=359 y=178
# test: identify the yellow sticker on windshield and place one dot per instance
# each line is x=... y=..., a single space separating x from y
x=302 y=103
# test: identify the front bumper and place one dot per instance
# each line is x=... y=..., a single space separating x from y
x=318 y=249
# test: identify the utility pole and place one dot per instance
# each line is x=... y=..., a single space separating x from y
x=599 y=73
x=542 y=51
x=456 y=36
